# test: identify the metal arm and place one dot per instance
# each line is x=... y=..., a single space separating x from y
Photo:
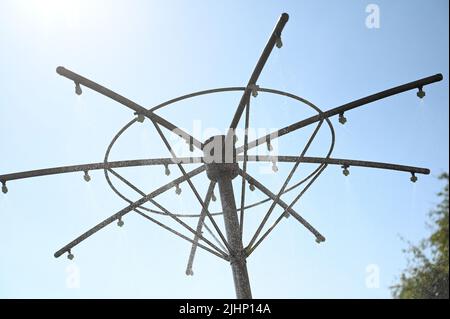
x=343 y=108
x=191 y=185
x=290 y=210
x=275 y=36
x=196 y=160
x=200 y=223
x=96 y=166
x=225 y=257
x=342 y=162
x=78 y=79
x=166 y=211
x=126 y=210
x=285 y=184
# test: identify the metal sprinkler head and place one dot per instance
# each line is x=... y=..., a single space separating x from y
x=86 y=176
x=274 y=167
x=120 y=222
x=78 y=90
x=269 y=146
x=278 y=42
x=413 y=178
x=254 y=88
x=70 y=256
x=140 y=118
x=4 y=188
x=342 y=119
x=421 y=93
x=345 y=170
x=167 y=170
x=220 y=170
x=213 y=197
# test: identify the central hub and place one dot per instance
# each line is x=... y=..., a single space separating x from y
x=220 y=158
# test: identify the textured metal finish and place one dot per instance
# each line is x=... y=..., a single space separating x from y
x=126 y=210
x=191 y=185
x=220 y=158
x=224 y=169
x=237 y=255
x=92 y=167
x=346 y=107
x=182 y=236
x=179 y=221
x=348 y=162
x=280 y=202
x=244 y=168
x=196 y=160
x=200 y=223
x=259 y=67
x=128 y=103
x=291 y=173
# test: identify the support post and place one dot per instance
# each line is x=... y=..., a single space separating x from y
x=237 y=256
x=221 y=167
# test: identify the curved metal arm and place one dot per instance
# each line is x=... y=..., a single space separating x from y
x=341 y=109
x=126 y=210
x=344 y=162
x=197 y=160
x=78 y=79
x=96 y=166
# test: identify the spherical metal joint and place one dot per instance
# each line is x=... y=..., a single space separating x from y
x=220 y=158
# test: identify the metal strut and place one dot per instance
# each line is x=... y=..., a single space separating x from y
x=222 y=172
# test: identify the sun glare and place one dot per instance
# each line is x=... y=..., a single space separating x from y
x=50 y=12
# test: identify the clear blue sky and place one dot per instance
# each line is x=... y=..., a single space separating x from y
x=152 y=51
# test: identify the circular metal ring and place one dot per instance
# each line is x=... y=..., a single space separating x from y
x=317 y=171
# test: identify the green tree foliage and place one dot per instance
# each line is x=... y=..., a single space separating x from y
x=426 y=276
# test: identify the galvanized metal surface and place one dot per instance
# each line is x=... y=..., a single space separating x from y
x=230 y=248
x=237 y=255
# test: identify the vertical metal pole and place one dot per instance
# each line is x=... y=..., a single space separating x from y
x=237 y=255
